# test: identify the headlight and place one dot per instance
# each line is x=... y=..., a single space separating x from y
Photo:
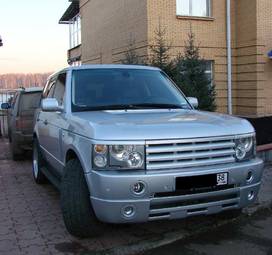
x=107 y=157
x=245 y=147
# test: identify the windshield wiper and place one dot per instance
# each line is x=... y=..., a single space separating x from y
x=160 y=106
x=135 y=107
x=110 y=107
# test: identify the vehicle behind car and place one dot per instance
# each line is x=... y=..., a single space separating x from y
x=21 y=112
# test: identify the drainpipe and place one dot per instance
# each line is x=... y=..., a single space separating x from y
x=229 y=52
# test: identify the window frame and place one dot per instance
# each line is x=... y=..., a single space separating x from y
x=75 y=31
x=211 y=71
x=190 y=14
x=14 y=100
x=55 y=86
x=50 y=85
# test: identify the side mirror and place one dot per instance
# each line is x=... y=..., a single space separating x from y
x=193 y=101
x=51 y=105
x=5 y=106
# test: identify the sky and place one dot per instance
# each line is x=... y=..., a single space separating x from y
x=33 y=40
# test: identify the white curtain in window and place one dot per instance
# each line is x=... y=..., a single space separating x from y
x=199 y=8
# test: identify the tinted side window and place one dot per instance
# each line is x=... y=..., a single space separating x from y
x=60 y=88
x=49 y=89
x=45 y=90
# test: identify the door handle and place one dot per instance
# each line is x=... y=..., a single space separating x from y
x=45 y=122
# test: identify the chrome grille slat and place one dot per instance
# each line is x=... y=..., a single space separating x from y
x=195 y=163
x=193 y=147
x=189 y=153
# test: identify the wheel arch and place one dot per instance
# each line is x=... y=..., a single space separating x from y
x=72 y=153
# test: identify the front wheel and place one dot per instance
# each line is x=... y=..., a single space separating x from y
x=78 y=214
x=37 y=164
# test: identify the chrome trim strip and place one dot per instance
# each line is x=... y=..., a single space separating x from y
x=161 y=200
x=190 y=155
x=195 y=163
x=192 y=207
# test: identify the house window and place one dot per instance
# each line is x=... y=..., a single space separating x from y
x=76 y=63
x=209 y=70
x=75 y=31
x=198 y=8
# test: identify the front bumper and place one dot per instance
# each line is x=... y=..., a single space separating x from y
x=112 y=193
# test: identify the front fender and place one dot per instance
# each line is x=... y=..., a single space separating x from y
x=81 y=146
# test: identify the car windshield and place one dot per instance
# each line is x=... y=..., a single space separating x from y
x=115 y=89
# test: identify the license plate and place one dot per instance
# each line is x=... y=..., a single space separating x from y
x=201 y=181
x=222 y=179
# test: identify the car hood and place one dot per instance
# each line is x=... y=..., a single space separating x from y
x=156 y=124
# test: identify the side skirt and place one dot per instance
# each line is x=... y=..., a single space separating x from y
x=55 y=180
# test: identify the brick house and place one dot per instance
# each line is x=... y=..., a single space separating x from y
x=109 y=26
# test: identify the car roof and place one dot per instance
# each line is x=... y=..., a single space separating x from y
x=30 y=90
x=106 y=66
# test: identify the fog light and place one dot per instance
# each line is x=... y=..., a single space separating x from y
x=138 y=188
x=250 y=195
x=250 y=177
x=128 y=211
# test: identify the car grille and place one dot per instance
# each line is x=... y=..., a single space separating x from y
x=170 y=154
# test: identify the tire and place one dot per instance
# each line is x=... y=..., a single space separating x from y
x=78 y=214
x=16 y=152
x=37 y=164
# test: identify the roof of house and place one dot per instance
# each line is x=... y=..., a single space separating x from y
x=71 y=12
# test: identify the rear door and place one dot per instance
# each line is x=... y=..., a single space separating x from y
x=28 y=104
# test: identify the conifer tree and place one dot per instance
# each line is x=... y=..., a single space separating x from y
x=160 y=52
x=190 y=76
x=131 y=56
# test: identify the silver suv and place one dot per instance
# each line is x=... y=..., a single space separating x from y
x=124 y=145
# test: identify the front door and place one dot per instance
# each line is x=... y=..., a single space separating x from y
x=53 y=125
